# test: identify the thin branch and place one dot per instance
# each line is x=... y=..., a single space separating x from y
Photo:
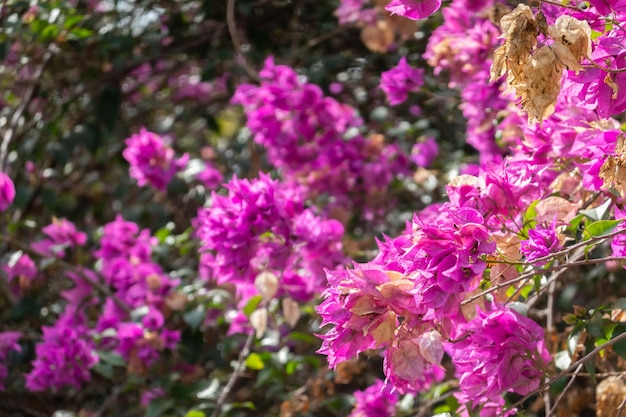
x=93 y=283
x=109 y=400
x=235 y=375
x=234 y=36
x=19 y=111
x=567 y=6
x=567 y=371
x=562 y=394
x=425 y=408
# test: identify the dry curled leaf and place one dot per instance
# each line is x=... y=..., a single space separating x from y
x=258 y=320
x=612 y=85
x=574 y=34
x=541 y=83
x=613 y=171
x=535 y=75
x=291 y=311
x=519 y=29
x=609 y=396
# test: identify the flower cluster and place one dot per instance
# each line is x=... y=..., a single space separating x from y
x=21 y=271
x=462 y=46
x=414 y=285
x=306 y=137
x=262 y=225
x=378 y=400
x=126 y=265
x=424 y=153
x=61 y=234
x=541 y=242
x=498 y=351
x=152 y=161
x=65 y=355
x=400 y=80
x=8 y=343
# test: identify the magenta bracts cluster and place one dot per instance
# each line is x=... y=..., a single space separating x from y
x=262 y=225
x=152 y=161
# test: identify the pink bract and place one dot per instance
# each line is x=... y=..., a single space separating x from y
x=414 y=9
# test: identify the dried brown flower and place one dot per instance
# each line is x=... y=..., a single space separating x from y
x=613 y=171
x=535 y=75
x=539 y=84
x=519 y=29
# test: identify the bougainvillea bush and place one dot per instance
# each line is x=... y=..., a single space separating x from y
x=312 y=208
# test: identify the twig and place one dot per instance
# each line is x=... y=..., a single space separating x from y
x=567 y=6
x=621 y=408
x=549 y=330
x=236 y=374
x=110 y=399
x=429 y=405
x=19 y=111
x=562 y=394
x=234 y=36
x=563 y=266
x=567 y=371
x=94 y=284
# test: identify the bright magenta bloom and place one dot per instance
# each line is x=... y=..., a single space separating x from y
x=414 y=9
x=7 y=191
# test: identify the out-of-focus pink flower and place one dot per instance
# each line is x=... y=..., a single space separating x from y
x=60 y=235
x=151 y=160
x=424 y=153
x=211 y=177
x=400 y=80
x=7 y=191
x=378 y=400
x=414 y=9
x=22 y=267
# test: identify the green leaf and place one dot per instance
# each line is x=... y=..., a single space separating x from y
x=81 y=33
x=195 y=317
x=573 y=338
x=254 y=361
x=620 y=347
x=573 y=225
x=562 y=360
x=195 y=413
x=530 y=215
x=594 y=327
x=600 y=228
x=597 y=213
x=159 y=406
x=111 y=358
x=252 y=304
x=104 y=369
x=71 y=21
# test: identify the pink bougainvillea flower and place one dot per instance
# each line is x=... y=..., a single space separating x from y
x=400 y=80
x=414 y=9
x=7 y=191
